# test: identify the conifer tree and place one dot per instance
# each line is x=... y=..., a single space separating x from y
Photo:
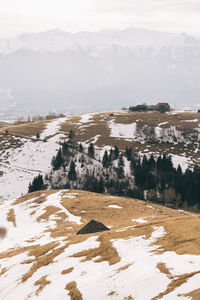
x=105 y=160
x=101 y=186
x=179 y=171
x=72 y=176
x=57 y=161
x=133 y=166
x=111 y=155
x=128 y=152
x=37 y=184
x=91 y=150
x=144 y=163
x=65 y=146
x=152 y=163
x=80 y=148
x=121 y=167
x=116 y=152
x=71 y=136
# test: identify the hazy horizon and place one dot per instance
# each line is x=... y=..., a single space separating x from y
x=103 y=70
x=97 y=31
x=89 y=15
x=91 y=55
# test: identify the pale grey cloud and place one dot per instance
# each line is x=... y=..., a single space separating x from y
x=75 y=15
x=147 y=6
x=167 y=15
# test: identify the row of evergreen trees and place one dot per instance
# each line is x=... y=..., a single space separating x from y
x=149 y=178
x=159 y=176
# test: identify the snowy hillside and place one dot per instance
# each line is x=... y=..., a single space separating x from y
x=97 y=70
x=41 y=256
x=175 y=133
x=22 y=156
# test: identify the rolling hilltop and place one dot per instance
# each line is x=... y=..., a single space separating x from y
x=150 y=252
x=23 y=156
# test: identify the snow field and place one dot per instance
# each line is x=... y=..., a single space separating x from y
x=28 y=161
x=138 y=265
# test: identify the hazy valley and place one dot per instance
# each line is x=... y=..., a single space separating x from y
x=39 y=72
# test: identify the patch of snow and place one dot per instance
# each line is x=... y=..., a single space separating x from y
x=114 y=206
x=186 y=212
x=149 y=206
x=95 y=138
x=54 y=199
x=52 y=128
x=139 y=220
x=180 y=160
x=125 y=131
x=163 y=123
x=190 y=121
x=86 y=118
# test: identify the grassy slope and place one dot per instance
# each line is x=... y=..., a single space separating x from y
x=99 y=125
x=36 y=255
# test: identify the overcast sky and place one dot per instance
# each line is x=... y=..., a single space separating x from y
x=17 y=16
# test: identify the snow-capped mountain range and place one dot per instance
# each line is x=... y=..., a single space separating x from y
x=57 y=70
x=95 y=43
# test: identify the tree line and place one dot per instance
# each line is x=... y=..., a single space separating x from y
x=151 y=178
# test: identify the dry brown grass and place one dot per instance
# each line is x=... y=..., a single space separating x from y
x=74 y=293
x=182 y=231
x=106 y=251
x=3 y=232
x=28 y=129
x=178 y=281
x=99 y=126
x=11 y=216
x=27 y=261
x=96 y=206
x=182 y=235
x=42 y=257
x=195 y=295
x=67 y=271
x=3 y=124
x=112 y=293
x=163 y=269
x=49 y=210
x=16 y=251
x=155 y=118
x=42 y=250
x=3 y=271
x=42 y=282
x=123 y=268
x=62 y=229
x=40 y=195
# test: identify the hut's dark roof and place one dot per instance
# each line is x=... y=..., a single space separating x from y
x=92 y=227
